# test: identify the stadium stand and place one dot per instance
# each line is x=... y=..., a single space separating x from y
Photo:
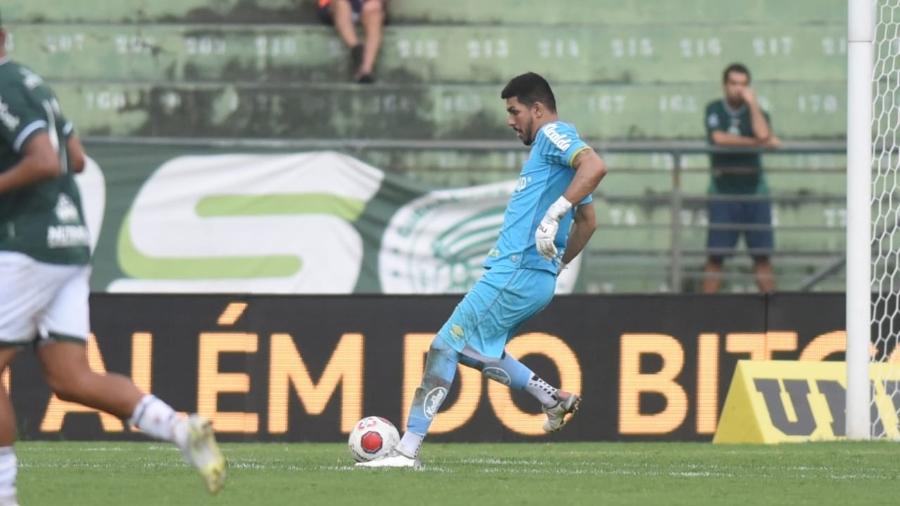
x=633 y=75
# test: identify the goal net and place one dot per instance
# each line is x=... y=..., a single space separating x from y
x=885 y=221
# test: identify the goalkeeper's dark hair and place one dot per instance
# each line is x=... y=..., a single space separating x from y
x=529 y=88
x=740 y=68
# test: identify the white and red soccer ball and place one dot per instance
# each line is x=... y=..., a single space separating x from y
x=371 y=438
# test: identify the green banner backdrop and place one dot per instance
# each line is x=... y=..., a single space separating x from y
x=242 y=221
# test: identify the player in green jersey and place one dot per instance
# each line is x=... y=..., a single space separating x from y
x=44 y=274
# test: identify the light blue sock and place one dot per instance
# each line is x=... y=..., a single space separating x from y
x=509 y=371
x=506 y=369
x=518 y=373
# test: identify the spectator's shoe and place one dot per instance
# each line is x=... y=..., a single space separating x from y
x=393 y=459
x=365 y=79
x=559 y=415
x=201 y=451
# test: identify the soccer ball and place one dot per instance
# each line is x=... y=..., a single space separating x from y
x=371 y=438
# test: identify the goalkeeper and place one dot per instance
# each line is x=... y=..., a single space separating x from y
x=548 y=221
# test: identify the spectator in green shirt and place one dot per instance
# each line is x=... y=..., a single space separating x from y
x=739 y=201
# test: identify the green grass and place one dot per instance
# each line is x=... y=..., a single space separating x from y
x=470 y=474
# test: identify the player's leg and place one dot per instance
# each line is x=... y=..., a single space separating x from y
x=63 y=357
x=24 y=292
x=512 y=373
x=557 y=404
x=8 y=463
x=440 y=368
x=761 y=242
x=529 y=292
x=721 y=239
x=372 y=18
x=523 y=293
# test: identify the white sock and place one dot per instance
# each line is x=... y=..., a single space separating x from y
x=8 y=465
x=410 y=443
x=155 y=418
x=542 y=391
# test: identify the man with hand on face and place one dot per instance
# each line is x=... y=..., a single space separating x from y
x=739 y=203
x=548 y=221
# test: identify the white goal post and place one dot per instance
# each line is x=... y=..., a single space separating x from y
x=873 y=219
x=860 y=36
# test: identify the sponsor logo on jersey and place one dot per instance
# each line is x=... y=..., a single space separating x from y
x=31 y=79
x=457 y=331
x=433 y=400
x=66 y=236
x=10 y=120
x=65 y=210
x=522 y=183
x=560 y=140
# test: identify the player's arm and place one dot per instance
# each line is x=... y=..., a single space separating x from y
x=39 y=162
x=75 y=151
x=589 y=171
x=582 y=229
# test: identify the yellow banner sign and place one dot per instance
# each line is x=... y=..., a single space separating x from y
x=792 y=401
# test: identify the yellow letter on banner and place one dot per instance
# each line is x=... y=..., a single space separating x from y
x=415 y=347
x=707 y=382
x=633 y=383
x=287 y=367
x=566 y=363
x=210 y=382
x=58 y=409
x=142 y=360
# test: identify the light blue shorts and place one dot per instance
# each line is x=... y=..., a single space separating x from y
x=495 y=307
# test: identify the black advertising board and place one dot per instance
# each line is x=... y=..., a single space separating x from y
x=305 y=368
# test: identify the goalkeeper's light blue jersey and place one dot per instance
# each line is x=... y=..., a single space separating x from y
x=544 y=178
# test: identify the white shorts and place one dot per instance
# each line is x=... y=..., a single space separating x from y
x=40 y=301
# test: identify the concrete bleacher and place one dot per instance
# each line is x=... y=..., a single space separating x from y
x=623 y=71
x=594 y=12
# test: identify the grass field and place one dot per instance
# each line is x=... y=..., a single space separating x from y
x=131 y=474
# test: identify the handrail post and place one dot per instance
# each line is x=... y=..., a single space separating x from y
x=676 y=205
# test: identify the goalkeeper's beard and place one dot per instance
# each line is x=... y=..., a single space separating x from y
x=527 y=135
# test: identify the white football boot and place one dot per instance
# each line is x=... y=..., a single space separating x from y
x=395 y=459
x=559 y=415
x=200 y=450
x=9 y=500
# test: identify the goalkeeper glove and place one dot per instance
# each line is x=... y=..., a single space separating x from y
x=546 y=231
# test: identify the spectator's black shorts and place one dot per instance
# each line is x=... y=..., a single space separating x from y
x=728 y=220
x=325 y=11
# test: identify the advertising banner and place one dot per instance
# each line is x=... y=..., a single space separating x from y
x=305 y=368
